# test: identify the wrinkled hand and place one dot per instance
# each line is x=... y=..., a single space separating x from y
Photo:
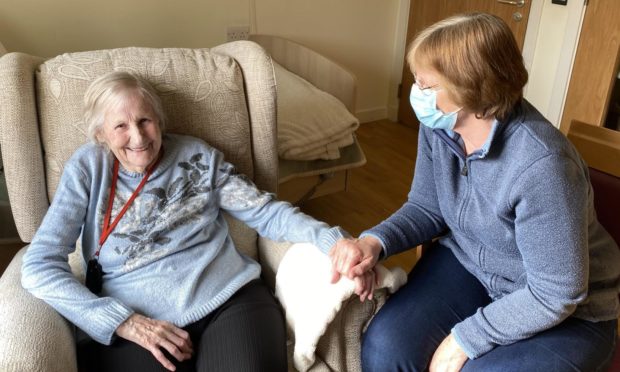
x=354 y=257
x=154 y=334
x=449 y=357
x=365 y=284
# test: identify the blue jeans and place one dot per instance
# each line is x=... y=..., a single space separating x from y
x=440 y=293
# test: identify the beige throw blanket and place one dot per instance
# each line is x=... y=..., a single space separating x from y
x=309 y=299
x=312 y=124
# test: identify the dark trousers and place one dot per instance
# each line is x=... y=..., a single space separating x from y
x=247 y=333
x=405 y=333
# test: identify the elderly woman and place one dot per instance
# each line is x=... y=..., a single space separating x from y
x=167 y=286
x=524 y=277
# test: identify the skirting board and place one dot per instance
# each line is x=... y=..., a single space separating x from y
x=373 y=114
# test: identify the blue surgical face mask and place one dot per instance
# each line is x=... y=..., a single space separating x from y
x=424 y=104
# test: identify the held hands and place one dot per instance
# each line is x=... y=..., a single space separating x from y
x=449 y=357
x=154 y=334
x=365 y=284
x=355 y=259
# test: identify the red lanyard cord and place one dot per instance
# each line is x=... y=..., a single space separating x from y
x=107 y=228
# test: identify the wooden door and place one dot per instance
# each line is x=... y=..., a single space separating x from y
x=595 y=70
x=423 y=13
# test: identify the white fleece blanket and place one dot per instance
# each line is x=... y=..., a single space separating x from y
x=312 y=124
x=311 y=302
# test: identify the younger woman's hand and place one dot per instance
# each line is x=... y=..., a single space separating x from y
x=449 y=357
x=354 y=257
x=154 y=335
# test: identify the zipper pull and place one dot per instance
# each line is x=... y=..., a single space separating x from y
x=464 y=170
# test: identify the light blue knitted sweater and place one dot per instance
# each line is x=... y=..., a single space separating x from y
x=171 y=256
x=520 y=217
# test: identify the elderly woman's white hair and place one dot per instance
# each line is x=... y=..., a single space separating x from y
x=110 y=90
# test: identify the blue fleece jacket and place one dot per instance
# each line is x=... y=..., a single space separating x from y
x=519 y=216
x=171 y=256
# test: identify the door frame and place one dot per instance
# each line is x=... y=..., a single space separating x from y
x=576 y=13
x=553 y=112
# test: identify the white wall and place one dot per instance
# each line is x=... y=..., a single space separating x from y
x=48 y=28
x=365 y=36
x=358 y=34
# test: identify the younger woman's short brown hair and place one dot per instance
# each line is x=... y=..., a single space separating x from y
x=478 y=59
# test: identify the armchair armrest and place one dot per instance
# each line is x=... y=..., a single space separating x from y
x=270 y=254
x=33 y=336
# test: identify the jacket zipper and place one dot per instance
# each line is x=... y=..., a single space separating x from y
x=464 y=172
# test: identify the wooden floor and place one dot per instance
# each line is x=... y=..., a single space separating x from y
x=377 y=189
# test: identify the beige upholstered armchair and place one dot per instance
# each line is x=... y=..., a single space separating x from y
x=225 y=95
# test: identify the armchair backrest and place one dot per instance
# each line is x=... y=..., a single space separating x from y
x=223 y=95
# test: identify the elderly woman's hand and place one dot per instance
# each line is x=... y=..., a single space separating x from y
x=154 y=334
x=354 y=257
x=365 y=284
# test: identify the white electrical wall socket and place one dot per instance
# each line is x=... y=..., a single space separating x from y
x=237 y=33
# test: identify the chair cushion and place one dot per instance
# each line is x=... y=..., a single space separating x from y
x=202 y=94
x=607 y=204
x=615 y=362
x=606 y=201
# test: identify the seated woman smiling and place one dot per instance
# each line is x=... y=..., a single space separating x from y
x=168 y=288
